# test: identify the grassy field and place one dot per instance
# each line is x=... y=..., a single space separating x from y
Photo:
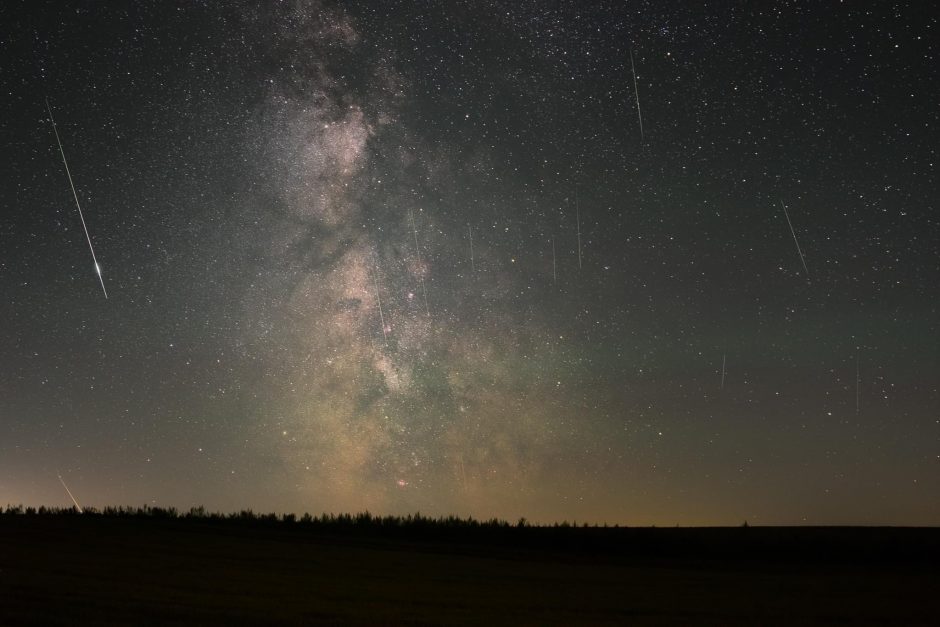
x=71 y=569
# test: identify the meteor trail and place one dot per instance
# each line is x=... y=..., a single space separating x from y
x=375 y=279
x=792 y=232
x=554 y=274
x=857 y=382
x=723 y=361
x=424 y=290
x=577 y=215
x=470 y=231
x=77 y=506
x=636 y=92
x=75 y=195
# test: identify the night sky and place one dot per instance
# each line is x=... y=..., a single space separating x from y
x=432 y=256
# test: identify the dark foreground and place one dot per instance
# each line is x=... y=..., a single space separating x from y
x=67 y=570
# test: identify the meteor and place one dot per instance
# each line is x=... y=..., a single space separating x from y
x=473 y=268
x=858 y=382
x=77 y=506
x=378 y=297
x=636 y=92
x=424 y=290
x=792 y=232
x=723 y=362
x=81 y=216
x=554 y=273
x=577 y=215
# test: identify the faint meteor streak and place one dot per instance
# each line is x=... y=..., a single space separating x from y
x=424 y=290
x=554 y=273
x=473 y=268
x=577 y=215
x=792 y=232
x=636 y=92
x=723 y=361
x=857 y=382
x=375 y=279
x=77 y=204
x=77 y=506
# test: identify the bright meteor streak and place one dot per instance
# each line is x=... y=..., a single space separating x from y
x=77 y=506
x=77 y=204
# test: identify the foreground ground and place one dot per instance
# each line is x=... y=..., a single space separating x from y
x=65 y=570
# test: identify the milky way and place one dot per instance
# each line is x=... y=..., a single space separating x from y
x=412 y=414
x=402 y=257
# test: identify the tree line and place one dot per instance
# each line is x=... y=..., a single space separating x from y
x=361 y=519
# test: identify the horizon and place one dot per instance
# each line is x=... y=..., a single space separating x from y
x=367 y=518
x=647 y=264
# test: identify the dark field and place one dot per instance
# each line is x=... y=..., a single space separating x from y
x=72 y=569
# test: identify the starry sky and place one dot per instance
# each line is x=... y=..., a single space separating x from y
x=625 y=262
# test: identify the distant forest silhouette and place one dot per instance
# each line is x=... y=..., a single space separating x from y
x=362 y=519
x=749 y=543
